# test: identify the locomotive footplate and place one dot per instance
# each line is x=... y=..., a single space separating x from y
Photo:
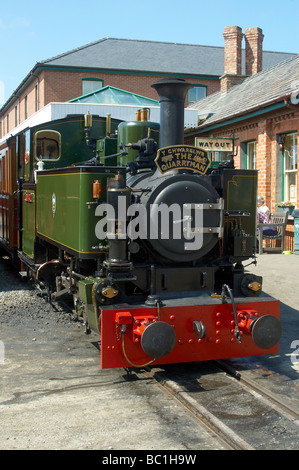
x=187 y=331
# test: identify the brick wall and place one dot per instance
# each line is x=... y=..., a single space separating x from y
x=29 y=97
x=264 y=132
x=64 y=85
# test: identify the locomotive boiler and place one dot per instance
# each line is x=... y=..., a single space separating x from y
x=150 y=241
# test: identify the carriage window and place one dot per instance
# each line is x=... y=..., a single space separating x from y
x=47 y=145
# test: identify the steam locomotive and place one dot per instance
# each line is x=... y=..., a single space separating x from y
x=144 y=233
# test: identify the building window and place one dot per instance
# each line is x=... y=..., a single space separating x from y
x=250 y=156
x=26 y=107
x=91 y=84
x=197 y=93
x=36 y=97
x=219 y=156
x=16 y=116
x=289 y=158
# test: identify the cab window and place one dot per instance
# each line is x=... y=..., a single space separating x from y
x=47 y=145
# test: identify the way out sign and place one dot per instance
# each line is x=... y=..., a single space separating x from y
x=211 y=144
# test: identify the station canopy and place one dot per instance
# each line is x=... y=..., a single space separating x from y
x=112 y=95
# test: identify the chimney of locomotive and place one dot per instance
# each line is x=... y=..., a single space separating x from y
x=172 y=94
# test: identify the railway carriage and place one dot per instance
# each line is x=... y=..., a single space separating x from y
x=142 y=232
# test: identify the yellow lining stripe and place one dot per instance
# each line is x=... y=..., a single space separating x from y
x=73 y=249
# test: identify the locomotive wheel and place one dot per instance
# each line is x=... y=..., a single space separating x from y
x=47 y=273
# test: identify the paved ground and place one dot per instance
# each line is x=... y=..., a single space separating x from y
x=281 y=280
x=53 y=394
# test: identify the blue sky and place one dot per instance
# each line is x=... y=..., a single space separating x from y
x=32 y=31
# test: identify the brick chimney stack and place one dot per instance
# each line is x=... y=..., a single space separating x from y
x=253 y=50
x=232 y=58
x=233 y=50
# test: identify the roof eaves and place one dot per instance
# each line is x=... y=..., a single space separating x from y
x=25 y=82
x=249 y=113
x=126 y=71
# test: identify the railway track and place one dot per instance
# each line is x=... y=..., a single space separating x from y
x=236 y=410
x=276 y=402
x=219 y=430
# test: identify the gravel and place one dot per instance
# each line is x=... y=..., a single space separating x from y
x=21 y=303
x=55 y=396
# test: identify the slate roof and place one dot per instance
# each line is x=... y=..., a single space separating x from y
x=152 y=56
x=256 y=92
x=132 y=55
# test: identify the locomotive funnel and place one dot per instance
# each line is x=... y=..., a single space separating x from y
x=172 y=93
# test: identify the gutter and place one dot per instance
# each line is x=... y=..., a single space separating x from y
x=242 y=117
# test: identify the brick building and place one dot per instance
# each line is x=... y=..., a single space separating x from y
x=130 y=65
x=261 y=112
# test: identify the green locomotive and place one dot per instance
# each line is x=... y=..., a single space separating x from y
x=83 y=197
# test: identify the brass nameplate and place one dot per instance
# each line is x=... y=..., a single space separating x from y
x=182 y=157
